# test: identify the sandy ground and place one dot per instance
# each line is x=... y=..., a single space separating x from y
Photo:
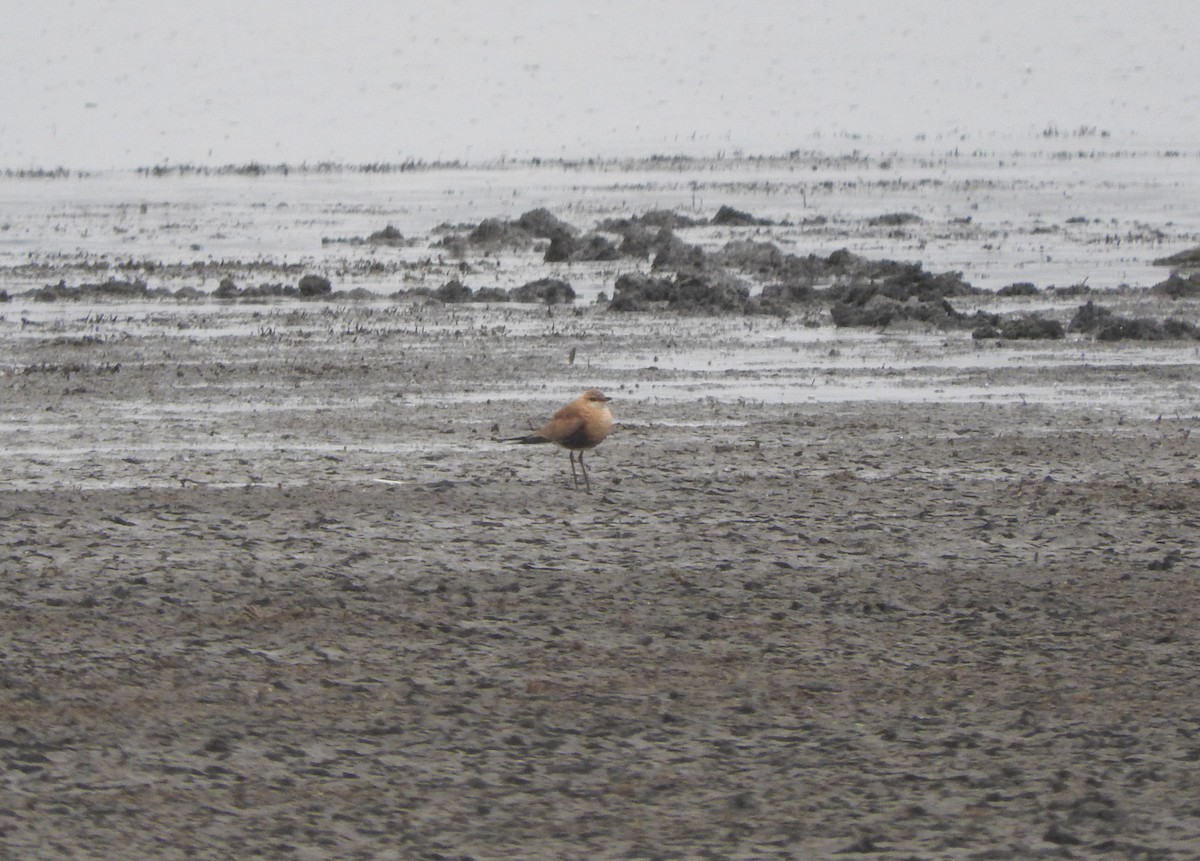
x=947 y=628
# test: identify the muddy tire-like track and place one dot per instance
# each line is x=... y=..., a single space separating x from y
x=941 y=630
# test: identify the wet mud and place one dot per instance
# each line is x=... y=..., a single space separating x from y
x=272 y=587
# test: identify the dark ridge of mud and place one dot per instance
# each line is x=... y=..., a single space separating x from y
x=549 y=291
x=1102 y=323
x=1178 y=286
x=113 y=288
x=568 y=248
x=388 y=237
x=545 y=291
x=496 y=234
x=314 y=285
x=133 y=270
x=673 y=253
x=894 y=219
x=685 y=277
x=1189 y=259
x=727 y=216
x=644 y=242
x=711 y=292
x=1027 y=327
x=309 y=286
x=881 y=311
x=654 y=219
x=1018 y=288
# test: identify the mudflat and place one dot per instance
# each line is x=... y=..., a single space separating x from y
x=273 y=588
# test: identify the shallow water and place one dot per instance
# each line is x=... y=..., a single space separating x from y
x=1052 y=217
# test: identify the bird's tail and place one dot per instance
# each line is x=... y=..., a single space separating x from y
x=532 y=439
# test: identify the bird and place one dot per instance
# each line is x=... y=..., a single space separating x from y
x=580 y=425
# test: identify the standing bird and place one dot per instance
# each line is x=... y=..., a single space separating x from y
x=580 y=425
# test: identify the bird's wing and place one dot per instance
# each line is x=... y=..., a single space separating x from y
x=563 y=424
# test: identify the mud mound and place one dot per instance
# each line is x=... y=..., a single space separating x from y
x=498 y=233
x=642 y=242
x=713 y=292
x=453 y=291
x=875 y=293
x=865 y=279
x=647 y=234
x=766 y=261
x=491 y=294
x=894 y=219
x=550 y=291
x=312 y=286
x=544 y=224
x=1025 y=327
x=1189 y=259
x=1019 y=288
x=495 y=234
x=388 y=236
x=567 y=248
x=1101 y=322
x=880 y=311
x=787 y=293
x=113 y=288
x=1179 y=287
x=673 y=253
x=655 y=220
x=727 y=216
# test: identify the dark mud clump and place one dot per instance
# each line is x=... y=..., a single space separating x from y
x=491 y=294
x=712 y=292
x=388 y=236
x=785 y=293
x=453 y=291
x=863 y=292
x=651 y=233
x=1101 y=322
x=113 y=288
x=903 y=282
x=228 y=289
x=1031 y=327
x=894 y=219
x=549 y=291
x=877 y=293
x=644 y=242
x=544 y=224
x=1019 y=288
x=567 y=248
x=1189 y=259
x=496 y=234
x=314 y=286
x=655 y=219
x=1178 y=286
x=766 y=260
x=727 y=216
x=673 y=253
x=880 y=311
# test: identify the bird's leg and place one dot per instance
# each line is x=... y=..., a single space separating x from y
x=583 y=467
x=574 y=477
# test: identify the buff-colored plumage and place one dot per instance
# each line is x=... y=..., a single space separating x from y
x=580 y=425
